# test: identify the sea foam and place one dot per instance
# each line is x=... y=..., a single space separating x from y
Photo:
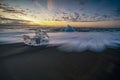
x=82 y=41
x=72 y=41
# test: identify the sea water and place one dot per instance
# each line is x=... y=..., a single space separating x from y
x=69 y=41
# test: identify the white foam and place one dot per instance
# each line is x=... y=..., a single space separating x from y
x=93 y=41
x=74 y=41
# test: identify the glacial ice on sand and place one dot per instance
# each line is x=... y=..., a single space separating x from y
x=40 y=38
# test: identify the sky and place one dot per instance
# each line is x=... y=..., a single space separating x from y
x=78 y=13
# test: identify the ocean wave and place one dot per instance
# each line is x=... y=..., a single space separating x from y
x=92 y=41
x=73 y=41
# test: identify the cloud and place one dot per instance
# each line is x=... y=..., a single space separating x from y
x=87 y=17
x=50 y=4
x=9 y=9
x=75 y=17
x=64 y=10
x=39 y=5
x=9 y=21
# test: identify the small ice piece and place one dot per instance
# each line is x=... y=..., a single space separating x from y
x=40 y=38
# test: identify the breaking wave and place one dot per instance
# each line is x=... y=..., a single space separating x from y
x=71 y=41
x=93 y=41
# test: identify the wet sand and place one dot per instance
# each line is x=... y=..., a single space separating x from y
x=22 y=62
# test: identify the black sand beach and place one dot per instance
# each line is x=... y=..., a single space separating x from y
x=21 y=62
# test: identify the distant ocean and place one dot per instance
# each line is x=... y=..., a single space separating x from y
x=68 y=41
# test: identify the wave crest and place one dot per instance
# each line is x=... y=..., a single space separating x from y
x=93 y=41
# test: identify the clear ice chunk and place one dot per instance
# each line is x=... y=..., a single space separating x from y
x=40 y=38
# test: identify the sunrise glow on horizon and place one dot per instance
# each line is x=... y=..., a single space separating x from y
x=78 y=13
